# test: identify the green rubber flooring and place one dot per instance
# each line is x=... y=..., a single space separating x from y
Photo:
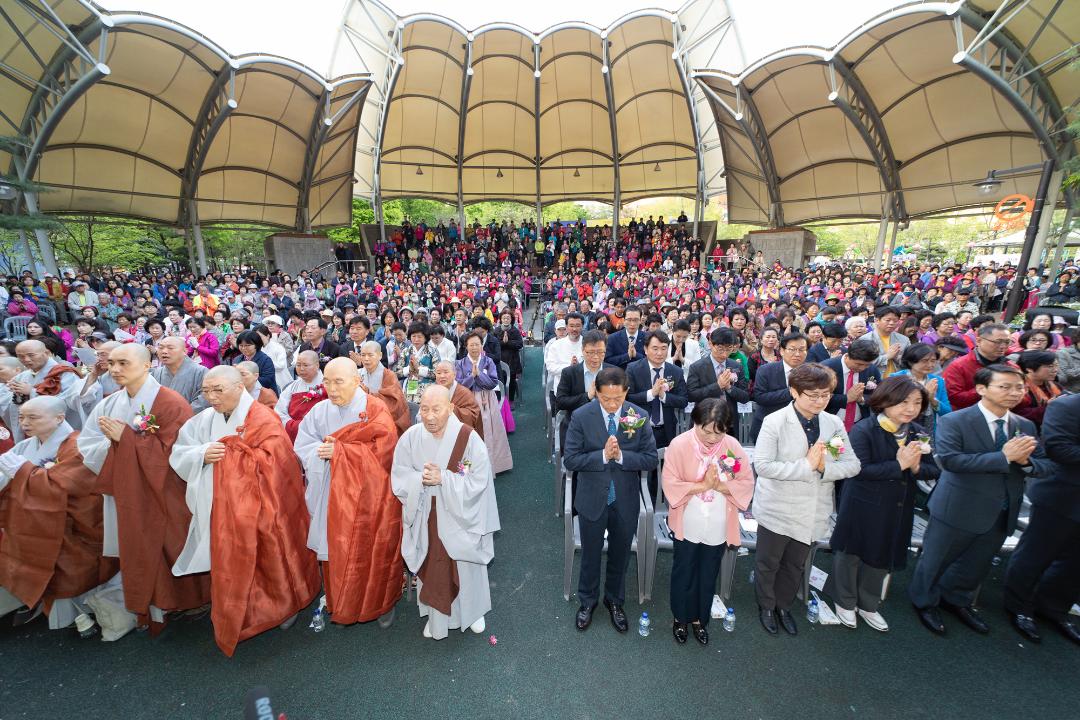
x=542 y=667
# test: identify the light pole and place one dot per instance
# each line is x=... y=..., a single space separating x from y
x=988 y=186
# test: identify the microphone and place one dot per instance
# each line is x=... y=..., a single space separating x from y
x=257 y=705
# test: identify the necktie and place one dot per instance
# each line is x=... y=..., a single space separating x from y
x=656 y=413
x=999 y=434
x=849 y=412
x=612 y=430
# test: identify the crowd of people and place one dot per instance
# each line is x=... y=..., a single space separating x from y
x=242 y=441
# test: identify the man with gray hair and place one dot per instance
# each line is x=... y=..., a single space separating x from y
x=249 y=525
x=179 y=372
x=50 y=552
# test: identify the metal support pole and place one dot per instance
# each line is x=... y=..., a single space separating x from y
x=461 y=219
x=1016 y=294
x=1047 y=219
x=1059 y=253
x=880 y=251
x=196 y=234
x=892 y=241
x=27 y=255
x=380 y=218
x=48 y=257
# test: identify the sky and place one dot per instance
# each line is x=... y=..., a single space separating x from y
x=306 y=31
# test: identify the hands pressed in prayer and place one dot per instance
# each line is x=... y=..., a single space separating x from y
x=432 y=475
x=611 y=448
x=111 y=428
x=326 y=448
x=816 y=456
x=20 y=388
x=215 y=452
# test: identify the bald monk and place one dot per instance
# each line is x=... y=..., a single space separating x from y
x=249 y=375
x=50 y=550
x=45 y=376
x=462 y=399
x=127 y=440
x=249 y=525
x=374 y=381
x=346 y=445
x=302 y=394
x=9 y=411
x=443 y=478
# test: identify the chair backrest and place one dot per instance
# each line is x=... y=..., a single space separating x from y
x=504 y=372
x=48 y=311
x=15 y=327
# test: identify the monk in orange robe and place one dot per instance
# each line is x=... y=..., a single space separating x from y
x=249 y=525
x=50 y=550
x=249 y=371
x=127 y=440
x=374 y=380
x=466 y=409
x=346 y=445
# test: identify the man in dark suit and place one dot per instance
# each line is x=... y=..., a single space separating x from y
x=628 y=344
x=659 y=387
x=717 y=375
x=985 y=453
x=833 y=334
x=1044 y=573
x=576 y=381
x=771 y=390
x=853 y=371
x=315 y=339
x=359 y=333
x=607 y=458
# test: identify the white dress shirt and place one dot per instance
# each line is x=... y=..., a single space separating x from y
x=559 y=354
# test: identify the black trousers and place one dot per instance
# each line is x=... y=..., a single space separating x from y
x=1044 y=572
x=779 y=562
x=620 y=535
x=693 y=580
x=954 y=563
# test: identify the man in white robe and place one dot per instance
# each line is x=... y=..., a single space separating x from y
x=462 y=491
x=179 y=372
x=39 y=363
x=298 y=397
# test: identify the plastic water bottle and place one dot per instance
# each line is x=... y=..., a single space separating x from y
x=729 y=620
x=643 y=625
x=318 y=618
x=812 y=611
x=751 y=576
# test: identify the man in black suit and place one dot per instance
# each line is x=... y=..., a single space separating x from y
x=717 y=375
x=576 y=381
x=607 y=458
x=359 y=333
x=985 y=453
x=315 y=339
x=626 y=345
x=833 y=334
x=659 y=387
x=853 y=371
x=1044 y=573
x=770 y=384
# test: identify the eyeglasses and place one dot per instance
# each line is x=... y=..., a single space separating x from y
x=817 y=397
x=1009 y=388
x=1004 y=342
x=795 y=351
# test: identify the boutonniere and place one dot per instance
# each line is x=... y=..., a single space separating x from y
x=463 y=467
x=315 y=394
x=631 y=422
x=362 y=417
x=145 y=422
x=835 y=446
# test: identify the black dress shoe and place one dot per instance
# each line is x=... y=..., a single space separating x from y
x=701 y=634
x=1025 y=625
x=787 y=621
x=768 y=620
x=618 y=616
x=969 y=616
x=584 y=617
x=931 y=619
x=678 y=629
x=1069 y=629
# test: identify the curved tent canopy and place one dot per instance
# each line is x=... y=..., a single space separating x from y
x=134 y=115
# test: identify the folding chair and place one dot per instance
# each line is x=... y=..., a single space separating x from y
x=557 y=461
x=15 y=327
x=572 y=535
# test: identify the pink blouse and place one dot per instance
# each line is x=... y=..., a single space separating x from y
x=207 y=352
x=681 y=472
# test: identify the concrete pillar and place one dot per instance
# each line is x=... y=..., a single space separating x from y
x=48 y=257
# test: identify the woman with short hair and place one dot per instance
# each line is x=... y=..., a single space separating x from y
x=1040 y=370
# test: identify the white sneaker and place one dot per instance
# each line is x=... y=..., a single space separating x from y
x=847 y=617
x=478 y=626
x=875 y=620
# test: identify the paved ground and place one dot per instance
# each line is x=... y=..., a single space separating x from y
x=542 y=667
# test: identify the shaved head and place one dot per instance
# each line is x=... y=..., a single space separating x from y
x=171 y=351
x=435 y=409
x=45 y=404
x=307 y=365
x=224 y=373
x=341 y=381
x=32 y=354
x=249 y=371
x=9 y=368
x=40 y=416
x=222 y=387
x=129 y=366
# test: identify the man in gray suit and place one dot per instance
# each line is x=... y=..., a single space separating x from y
x=891 y=344
x=986 y=453
x=607 y=458
x=717 y=375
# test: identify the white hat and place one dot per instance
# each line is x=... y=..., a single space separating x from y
x=560 y=324
x=276 y=319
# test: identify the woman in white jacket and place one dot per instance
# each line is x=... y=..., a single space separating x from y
x=277 y=354
x=801 y=451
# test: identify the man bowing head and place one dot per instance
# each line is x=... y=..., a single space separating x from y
x=375 y=381
x=346 y=444
x=127 y=440
x=248 y=524
x=443 y=478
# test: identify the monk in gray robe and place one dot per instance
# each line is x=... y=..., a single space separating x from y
x=180 y=373
x=45 y=376
x=302 y=394
x=442 y=476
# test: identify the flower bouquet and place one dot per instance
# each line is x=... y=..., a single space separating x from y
x=923 y=441
x=631 y=422
x=727 y=465
x=835 y=446
x=315 y=394
x=145 y=422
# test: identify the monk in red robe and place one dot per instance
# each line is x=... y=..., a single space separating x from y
x=249 y=527
x=50 y=551
x=302 y=394
x=346 y=445
x=374 y=380
x=127 y=440
x=462 y=399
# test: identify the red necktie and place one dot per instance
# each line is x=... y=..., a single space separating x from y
x=849 y=412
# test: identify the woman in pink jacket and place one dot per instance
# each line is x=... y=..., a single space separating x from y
x=203 y=345
x=707 y=480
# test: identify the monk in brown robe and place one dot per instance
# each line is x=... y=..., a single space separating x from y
x=462 y=399
x=375 y=381
x=50 y=550
x=249 y=373
x=127 y=440
x=249 y=525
